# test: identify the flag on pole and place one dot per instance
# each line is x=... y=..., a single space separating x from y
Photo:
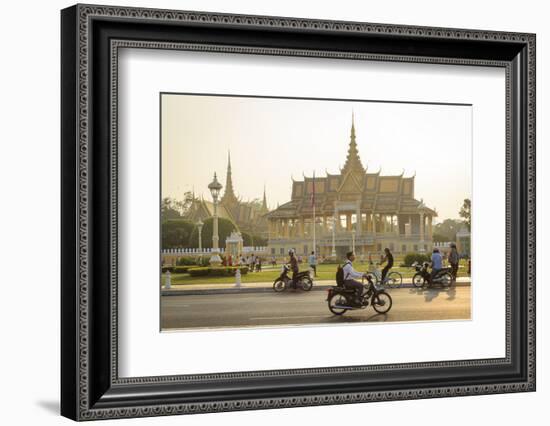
x=313 y=205
x=313 y=191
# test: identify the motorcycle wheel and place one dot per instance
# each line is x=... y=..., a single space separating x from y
x=382 y=302
x=337 y=300
x=418 y=280
x=307 y=284
x=446 y=279
x=279 y=286
x=394 y=280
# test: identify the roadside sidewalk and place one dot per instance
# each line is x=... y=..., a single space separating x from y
x=196 y=289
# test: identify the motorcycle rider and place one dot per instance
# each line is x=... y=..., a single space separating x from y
x=437 y=263
x=350 y=274
x=453 y=260
x=293 y=267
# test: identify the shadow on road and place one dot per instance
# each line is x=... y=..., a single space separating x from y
x=357 y=318
x=430 y=293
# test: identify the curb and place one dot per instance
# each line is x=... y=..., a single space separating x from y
x=246 y=290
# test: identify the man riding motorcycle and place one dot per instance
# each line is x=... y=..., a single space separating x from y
x=350 y=274
x=293 y=267
x=437 y=262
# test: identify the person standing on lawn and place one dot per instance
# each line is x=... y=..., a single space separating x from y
x=454 y=258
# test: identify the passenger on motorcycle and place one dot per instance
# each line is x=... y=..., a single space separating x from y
x=350 y=274
x=293 y=267
x=437 y=262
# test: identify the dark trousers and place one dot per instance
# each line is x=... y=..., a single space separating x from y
x=355 y=285
x=293 y=282
x=385 y=271
x=454 y=270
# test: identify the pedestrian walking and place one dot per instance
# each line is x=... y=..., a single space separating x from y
x=313 y=263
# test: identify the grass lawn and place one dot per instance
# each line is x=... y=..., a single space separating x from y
x=269 y=274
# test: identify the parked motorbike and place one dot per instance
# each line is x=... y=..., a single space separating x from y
x=302 y=280
x=424 y=278
x=341 y=299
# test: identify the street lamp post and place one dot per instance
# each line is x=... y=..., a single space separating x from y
x=199 y=227
x=215 y=187
x=353 y=240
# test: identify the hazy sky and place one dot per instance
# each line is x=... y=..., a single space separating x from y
x=273 y=139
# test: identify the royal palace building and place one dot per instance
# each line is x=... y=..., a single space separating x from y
x=354 y=209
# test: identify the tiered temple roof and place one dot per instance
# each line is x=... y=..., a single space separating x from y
x=377 y=193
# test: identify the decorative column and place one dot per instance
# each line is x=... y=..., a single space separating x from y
x=371 y=223
x=359 y=225
x=422 y=231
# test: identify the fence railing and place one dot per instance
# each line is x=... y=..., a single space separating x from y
x=197 y=252
x=446 y=244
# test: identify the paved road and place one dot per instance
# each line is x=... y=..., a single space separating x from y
x=269 y=309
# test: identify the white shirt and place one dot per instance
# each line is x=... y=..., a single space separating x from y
x=349 y=272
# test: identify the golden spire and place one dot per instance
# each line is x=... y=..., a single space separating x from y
x=353 y=162
x=229 y=193
x=264 y=201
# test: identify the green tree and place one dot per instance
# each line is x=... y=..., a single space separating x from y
x=446 y=230
x=175 y=233
x=225 y=227
x=440 y=238
x=169 y=209
x=259 y=241
x=465 y=212
x=248 y=240
x=172 y=208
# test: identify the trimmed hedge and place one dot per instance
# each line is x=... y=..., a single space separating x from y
x=175 y=269
x=187 y=261
x=220 y=271
x=410 y=258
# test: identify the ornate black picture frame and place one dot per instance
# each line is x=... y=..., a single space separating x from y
x=91 y=36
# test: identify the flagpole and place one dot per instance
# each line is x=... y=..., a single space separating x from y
x=313 y=202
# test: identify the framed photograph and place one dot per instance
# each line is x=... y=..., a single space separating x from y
x=263 y=212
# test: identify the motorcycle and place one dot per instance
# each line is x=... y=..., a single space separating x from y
x=342 y=299
x=424 y=278
x=302 y=280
